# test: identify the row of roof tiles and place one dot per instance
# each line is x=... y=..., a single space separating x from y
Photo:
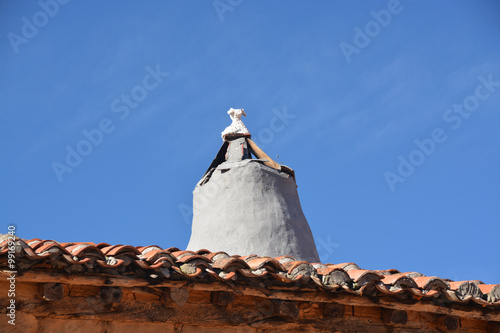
x=153 y=262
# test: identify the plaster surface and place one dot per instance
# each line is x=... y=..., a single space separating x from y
x=248 y=208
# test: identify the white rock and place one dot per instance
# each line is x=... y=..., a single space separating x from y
x=237 y=126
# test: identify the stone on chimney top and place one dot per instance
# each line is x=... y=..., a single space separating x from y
x=237 y=128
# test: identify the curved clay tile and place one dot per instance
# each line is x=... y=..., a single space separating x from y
x=52 y=248
x=145 y=249
x=299 y=270
x=319 y=265
x=222 y=276
x=398 y=281
x=217 y=255
x=284 y=259
x=160 y=263
x=281 y=277
x=248 y=273
x=180 y=254
x=163 y=261
x=120 y=250
x=32 y=242
x=463 y=289
x=267 y=262
x=364 y=276
x=413 y=274
x=39 y=243
x=82 y=250
x=154 y=255
x=248 y=257
x=334 y=276
x=388 y=271
x=30 y=253
x=186 y=258
x=492 y=292
x=431 y=283
x=345 y=266
x=229 y=263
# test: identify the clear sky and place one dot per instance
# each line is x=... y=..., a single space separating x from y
x=388 y=112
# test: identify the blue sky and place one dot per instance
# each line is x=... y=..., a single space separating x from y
x=388 y=112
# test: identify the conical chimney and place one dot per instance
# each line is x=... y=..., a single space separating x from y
x=246 y=203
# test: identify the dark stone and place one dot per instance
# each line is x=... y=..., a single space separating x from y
x=493 y=327
x=265 y=307
x=332 y=310
x=52 y=291
x=178 y=295
x=111 y=294
x=391 y=316
x=286 y=309
x=221 y=297
x=451 y=323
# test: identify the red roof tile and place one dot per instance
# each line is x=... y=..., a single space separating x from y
x=87 y=258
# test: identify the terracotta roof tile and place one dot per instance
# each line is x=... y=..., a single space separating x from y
x=431 y=283
x=364 y=276
x=145 y=249
x=398 y=281
x=299 y=270
x=413 y=274
x=87 y=258
x=345 y=266
x=229 y=264
x=264 y=262
x=193 y=257
x=464 y=289
x=180 y=254
x=492 y=291
x=114 y=250
x=388 y=271
x=334 y=276
x=217 y=255
x=284 y=259
x=247 y=258
x=84 y=250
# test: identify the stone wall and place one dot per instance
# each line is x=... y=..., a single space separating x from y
x=82 y=305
